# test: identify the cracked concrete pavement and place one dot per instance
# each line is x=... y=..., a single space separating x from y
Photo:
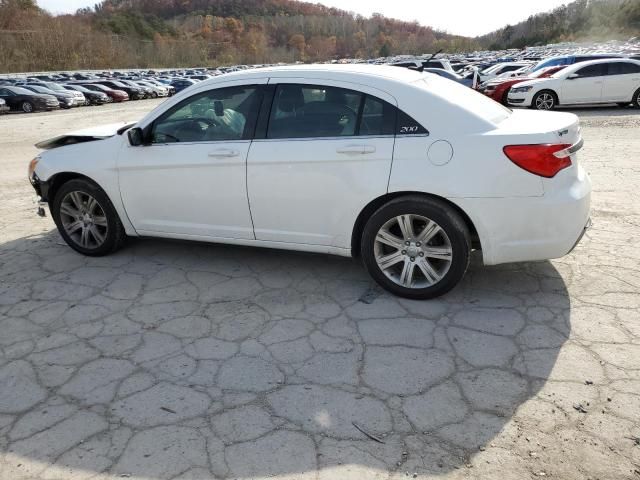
x=175 y=360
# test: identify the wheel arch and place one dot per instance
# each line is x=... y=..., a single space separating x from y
x=59 y=179
x=375 y=204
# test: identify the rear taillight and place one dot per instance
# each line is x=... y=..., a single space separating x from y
x=545 y=160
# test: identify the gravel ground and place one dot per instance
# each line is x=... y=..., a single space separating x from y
x=185 y=360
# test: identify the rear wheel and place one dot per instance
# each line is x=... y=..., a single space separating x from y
x=86 y=218
x=544 y=100
x=416 y=247
x=27 y=107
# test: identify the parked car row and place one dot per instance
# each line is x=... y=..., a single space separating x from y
x=597 y=78
x=544 y=77
x=55 y=91
x=501 y=75
x=49 y=91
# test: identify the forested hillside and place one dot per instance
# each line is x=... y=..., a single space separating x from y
x=181 y=33
x=155 y=33
x=581 y=20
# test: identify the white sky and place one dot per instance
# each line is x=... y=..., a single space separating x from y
x=463 y=17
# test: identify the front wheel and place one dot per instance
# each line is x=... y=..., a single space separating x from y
x=86 y=218
x=416 y=247
x=544 y=100
x=27 y=107
x=636 y=99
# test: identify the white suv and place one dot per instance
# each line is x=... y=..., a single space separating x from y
x=597 y=81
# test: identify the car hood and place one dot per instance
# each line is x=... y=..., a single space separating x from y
x=533 y=82
x=81 y=136
x=502 y=81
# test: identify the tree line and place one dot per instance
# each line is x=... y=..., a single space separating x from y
x=186 y=33
x=581 y=20
x=183 y=33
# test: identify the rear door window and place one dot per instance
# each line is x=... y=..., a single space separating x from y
x=622 y=68
x=310 y=111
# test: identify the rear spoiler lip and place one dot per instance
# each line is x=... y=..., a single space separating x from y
x=570 y=150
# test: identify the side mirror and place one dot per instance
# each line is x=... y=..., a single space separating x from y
x=136 y=137
x=573 y=76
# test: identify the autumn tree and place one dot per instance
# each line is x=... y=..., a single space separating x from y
x=297 y=42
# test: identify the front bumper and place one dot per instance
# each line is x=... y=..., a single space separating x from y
x=42 y=194
x=520 y=99
x=41 y=187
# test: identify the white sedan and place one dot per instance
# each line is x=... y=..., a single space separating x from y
x=614 y=80
x=408 y=171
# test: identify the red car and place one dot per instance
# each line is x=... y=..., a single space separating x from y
x=498 y=89
x=116 y=95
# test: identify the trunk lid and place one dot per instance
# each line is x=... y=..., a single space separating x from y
x=532 y=126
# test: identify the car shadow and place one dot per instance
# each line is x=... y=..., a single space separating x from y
x=172 y=359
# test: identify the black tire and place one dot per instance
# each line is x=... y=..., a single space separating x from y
x=115 y=234
x=549 y=95
x=444 y=216
x=636 y=99
x=505 y=98
x=27 y=107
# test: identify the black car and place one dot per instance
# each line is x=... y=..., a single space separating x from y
x=135 y=93
x=94 y=98
x=147 y=92
x=66 y=99
x=27 y=101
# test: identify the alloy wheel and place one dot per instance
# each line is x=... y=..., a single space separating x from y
x=27 y=107
x=413 y=251
x=545 y=101
x=83 y=219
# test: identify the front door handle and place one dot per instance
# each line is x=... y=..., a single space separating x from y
x=357 y=149
x=224 y=153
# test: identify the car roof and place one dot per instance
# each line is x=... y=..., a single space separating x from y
x=577 y=66
x=380 y=74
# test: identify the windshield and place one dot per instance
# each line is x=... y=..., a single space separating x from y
x=80 y=88
x=551 y=62
x=54 y=86
x=35 y=88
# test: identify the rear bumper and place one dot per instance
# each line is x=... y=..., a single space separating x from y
x=520 y=229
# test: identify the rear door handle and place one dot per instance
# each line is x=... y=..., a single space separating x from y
x=224 y=153
x=357 y=149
